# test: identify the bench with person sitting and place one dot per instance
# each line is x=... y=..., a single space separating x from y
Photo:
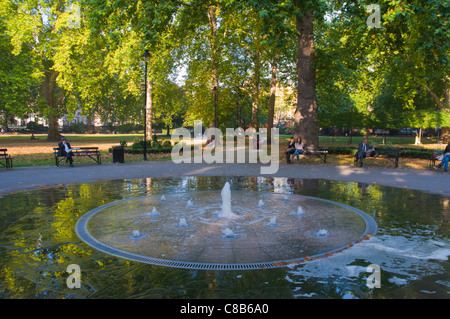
x=365 y=150
x=297 y=148
x=443 y=157
x=65 y=151
x=5 y=159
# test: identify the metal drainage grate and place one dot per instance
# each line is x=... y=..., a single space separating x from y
x=83 y=234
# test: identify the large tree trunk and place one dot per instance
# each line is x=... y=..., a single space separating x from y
x=273 y=91
x=53 y=96
x=212 y=18
x=306 y=123
x=53 y=128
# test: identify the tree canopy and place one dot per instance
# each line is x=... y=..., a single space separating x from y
x=331 y=66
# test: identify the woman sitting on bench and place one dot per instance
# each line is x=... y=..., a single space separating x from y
x=445 y=159
x=298 y=149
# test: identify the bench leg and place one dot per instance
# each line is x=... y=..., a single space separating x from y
x=396 y=162
x=432 y=163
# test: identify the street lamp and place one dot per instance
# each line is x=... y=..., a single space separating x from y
x=146 y=56
x=215 y=107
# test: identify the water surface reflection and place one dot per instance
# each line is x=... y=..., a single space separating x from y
x=38 y=242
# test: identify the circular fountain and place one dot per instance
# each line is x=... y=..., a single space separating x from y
x=224 y=230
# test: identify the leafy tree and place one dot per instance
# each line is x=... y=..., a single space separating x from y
x=129 y=28
x=18 y=83
x=171 y=102
x=33 y=24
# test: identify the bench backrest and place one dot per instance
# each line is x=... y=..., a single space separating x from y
x=78 y=150
x=316 y=149
x=81 y=148
x=388 y=150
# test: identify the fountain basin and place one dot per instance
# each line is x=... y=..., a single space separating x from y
x=247 y=244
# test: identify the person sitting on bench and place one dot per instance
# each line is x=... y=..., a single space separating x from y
x=298 y=149
x=364 y=150
x=445 y=159
x=65 y=150
x=290 y=150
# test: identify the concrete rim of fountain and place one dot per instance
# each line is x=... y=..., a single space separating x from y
x=81 y=229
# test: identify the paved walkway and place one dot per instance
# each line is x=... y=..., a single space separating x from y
x=22 y=178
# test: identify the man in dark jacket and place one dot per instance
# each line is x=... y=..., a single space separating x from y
x=290 y=150
x=364 y=150
x=65 y=150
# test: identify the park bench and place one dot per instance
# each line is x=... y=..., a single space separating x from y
x=320 y=152
x=6 y=158
x=434 y=156
x=91 y=152
x=392 y=154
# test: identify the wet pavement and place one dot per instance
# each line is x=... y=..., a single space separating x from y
x=21 y=178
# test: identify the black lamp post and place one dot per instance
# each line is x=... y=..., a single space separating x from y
x=215 y=107
x=146 y=56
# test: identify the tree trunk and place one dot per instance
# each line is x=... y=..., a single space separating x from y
x=53 y=128
x=212 y=18
x=255 y=107
x=445 y=135
x=255 y=91
x=273 y=90
x=53 y=96
x=306 y=123
x=5 y=119
x=239 y=108
x=90 y=127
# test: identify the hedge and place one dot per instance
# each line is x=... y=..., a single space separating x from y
x=404 y=152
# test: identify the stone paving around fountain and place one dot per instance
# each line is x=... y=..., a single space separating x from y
x=239 y=229
x=40 y=176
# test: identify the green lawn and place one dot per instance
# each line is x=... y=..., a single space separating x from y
x=37 y=152
x=398 y=141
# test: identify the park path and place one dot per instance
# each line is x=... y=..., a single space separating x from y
x=22 y=178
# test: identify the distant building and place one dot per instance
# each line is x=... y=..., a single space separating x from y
x=64 y=121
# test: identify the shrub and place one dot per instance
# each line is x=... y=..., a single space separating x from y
x=404 y=152
x=154 y=146
x=139 y=145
